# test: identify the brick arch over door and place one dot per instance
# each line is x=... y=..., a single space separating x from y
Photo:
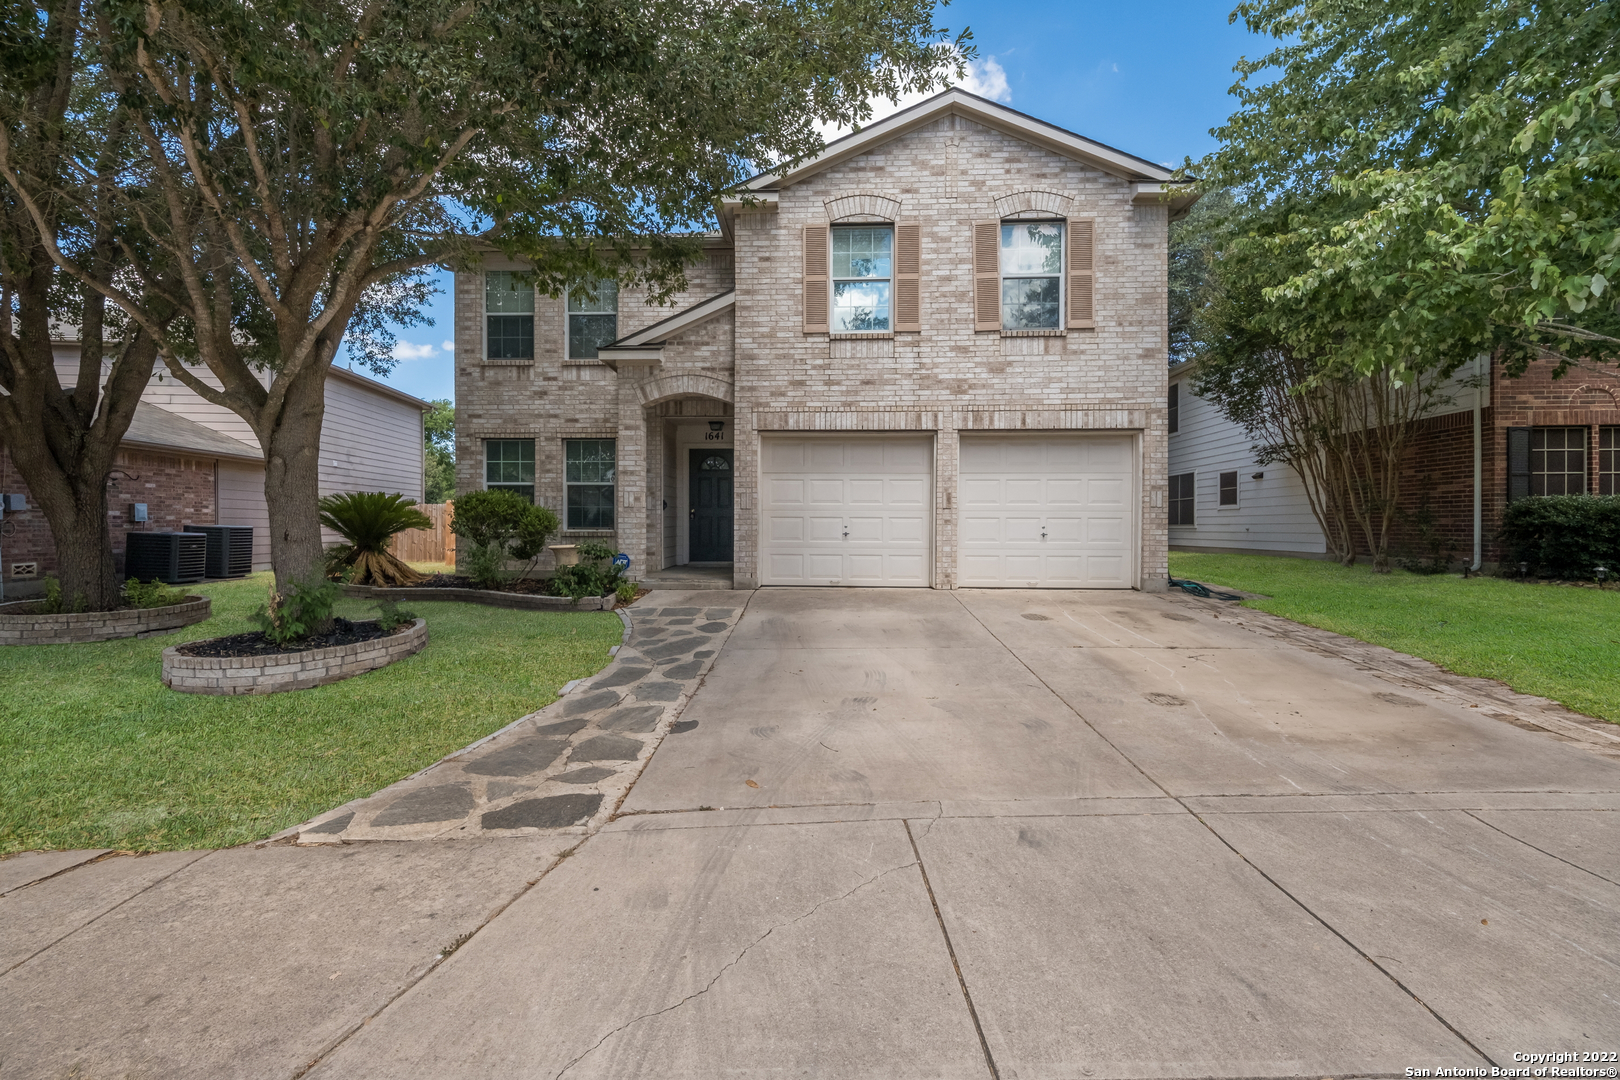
x=654 y=391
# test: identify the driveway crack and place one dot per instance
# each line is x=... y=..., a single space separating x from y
x=733 y=962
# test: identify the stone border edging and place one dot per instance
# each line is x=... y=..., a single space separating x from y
x=491 y=597
x=288 y=671
x=20 y=628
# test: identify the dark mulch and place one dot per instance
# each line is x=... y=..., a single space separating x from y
x=343 y=632
x=528 y=586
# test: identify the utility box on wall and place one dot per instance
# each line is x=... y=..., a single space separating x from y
x=137 y=512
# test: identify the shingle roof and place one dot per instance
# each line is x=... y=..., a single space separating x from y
x=162 y=429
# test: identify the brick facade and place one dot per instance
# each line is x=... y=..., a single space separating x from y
x=177 y=490
x=1438 y=467
x=757 y=366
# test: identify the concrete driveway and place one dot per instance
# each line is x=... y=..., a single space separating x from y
x=923 y=834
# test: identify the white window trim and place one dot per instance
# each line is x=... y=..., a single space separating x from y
x=483 y=472
x=1062 y=327
x=832 y=282
x=1194 y=474
x=584 y=361
x=484 y=313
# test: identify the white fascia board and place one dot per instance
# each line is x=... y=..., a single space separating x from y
x=1179 y=196
x=613 y=356
x=980 y=111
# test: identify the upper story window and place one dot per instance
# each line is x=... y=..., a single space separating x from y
x=593 y=318
x=1175 y=408
x=862 y=278
x=509 y=466
x=509 y=310
x=1031 y=275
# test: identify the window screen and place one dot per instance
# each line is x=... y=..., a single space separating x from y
x=589 y=468
x=509 y=310
x=593 y=318
x=1229 y=489
x=1031 y=275
x=1558 y=461
x=509 y=466
x=862 y=278
x=1182 y=501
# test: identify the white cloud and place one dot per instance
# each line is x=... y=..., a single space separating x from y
x=404 y=350
x=448 y=346
x=985 y=77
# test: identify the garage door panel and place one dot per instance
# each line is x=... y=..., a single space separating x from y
x=867 y=510
x=785 y=528
x=1076 y=489
x=783 y=493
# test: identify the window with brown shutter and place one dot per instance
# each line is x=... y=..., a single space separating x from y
x=987 y=275
x=907 y=278
x=1082 y=274
x=816 y=295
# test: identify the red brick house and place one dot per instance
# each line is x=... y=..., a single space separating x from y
x=1536 y=436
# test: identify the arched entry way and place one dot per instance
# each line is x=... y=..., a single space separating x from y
x=690 y=433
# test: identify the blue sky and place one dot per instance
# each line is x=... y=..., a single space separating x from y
x=1151 y=80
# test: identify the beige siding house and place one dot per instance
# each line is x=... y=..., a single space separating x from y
x=931 y=356
x=188 y=461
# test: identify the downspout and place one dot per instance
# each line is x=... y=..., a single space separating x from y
x=1479 y=471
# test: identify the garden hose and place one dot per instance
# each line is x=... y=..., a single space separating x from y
x=1196 y=589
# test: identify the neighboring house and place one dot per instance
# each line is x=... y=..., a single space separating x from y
x=932 y=355
x=1535 y=436
x=192 y=462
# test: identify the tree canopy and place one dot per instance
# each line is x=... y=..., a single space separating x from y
x=1447 y=173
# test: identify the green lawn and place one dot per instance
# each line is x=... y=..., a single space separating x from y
x=1555 y=641
x=95 y=752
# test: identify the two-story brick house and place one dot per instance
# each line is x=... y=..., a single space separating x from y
x=933 y=355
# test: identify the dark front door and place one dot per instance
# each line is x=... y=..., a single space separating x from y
x=711 y=505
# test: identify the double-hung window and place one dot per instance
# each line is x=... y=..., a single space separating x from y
x=509 y=309
x=1558 y=461
x=588 y=468
x=862 y=278
x=593 y=318
x=1031 y=275
x=509 y=466
x=1183 y=491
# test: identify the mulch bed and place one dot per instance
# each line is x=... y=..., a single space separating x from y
x=343 y=632
x=528 y=586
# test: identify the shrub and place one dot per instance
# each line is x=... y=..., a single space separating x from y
x=500 y=525
x=151 y=595
x=627 y=591
x=590 y=577
x=306 y=605
x=391 y=617
x=1564 y=536
x=485 y=565
x=369 y=520
x=54 y=604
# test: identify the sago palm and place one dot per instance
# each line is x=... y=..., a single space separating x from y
x=368 y=520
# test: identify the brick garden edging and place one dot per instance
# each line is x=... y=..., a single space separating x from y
x=492 y=597
x=17 y=627
x=287 y=671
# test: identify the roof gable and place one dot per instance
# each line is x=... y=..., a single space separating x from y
x=983 y=111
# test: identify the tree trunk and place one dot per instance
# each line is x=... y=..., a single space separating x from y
x=292 y=447
x=75 y=506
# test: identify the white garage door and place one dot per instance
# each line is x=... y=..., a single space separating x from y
x=1047 y=512
x=846 y=510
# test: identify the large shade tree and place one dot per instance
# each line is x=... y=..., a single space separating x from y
x=302 y=161
x=62 y=428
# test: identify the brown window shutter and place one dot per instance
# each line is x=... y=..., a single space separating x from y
x=907 y=278
x=1082 y=274
x=987 y=275
x=817 y=298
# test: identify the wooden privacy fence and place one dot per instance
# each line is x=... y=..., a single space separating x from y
x=437 y=544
